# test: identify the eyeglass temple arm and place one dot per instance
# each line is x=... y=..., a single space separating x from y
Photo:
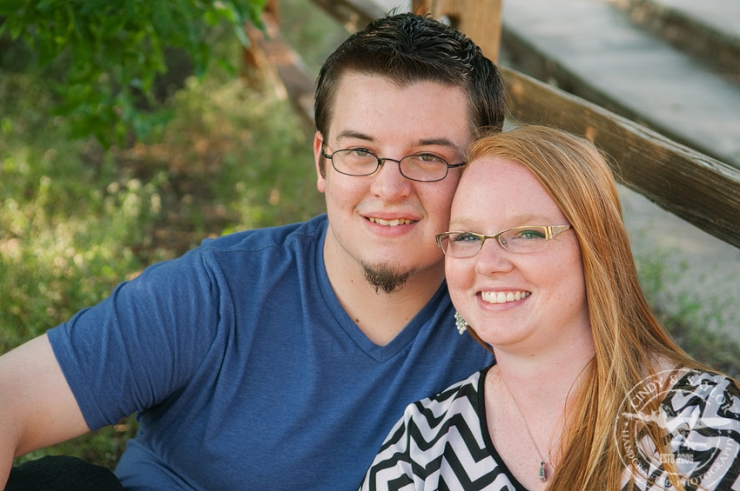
x=554 y=230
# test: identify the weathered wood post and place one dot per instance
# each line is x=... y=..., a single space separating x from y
x=271 y=17
x=290 y=76
x=480 y=20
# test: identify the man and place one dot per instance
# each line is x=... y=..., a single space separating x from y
x=280 y=358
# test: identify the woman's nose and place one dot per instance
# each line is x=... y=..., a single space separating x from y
x=492 y=258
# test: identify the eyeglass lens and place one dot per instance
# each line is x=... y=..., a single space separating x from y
x=518 y=240
x=425 y=167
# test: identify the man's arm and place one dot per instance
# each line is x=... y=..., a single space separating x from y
x=37 y=407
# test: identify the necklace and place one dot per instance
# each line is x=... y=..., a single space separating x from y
x=542 y=473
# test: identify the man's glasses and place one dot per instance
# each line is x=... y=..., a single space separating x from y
x=519 y=240
x=423 y=167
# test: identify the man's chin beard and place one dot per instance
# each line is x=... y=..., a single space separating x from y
x=385 y=278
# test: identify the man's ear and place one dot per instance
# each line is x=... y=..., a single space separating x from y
x=318 y=140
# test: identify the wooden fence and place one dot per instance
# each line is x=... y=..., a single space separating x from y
x=693 y=186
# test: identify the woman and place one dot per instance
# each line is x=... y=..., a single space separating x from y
x=588 y=392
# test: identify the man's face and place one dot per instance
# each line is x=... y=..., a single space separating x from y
x=385 y=223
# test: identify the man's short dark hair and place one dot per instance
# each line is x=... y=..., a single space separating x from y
x=408 y=48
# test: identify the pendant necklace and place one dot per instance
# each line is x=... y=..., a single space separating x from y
x=542 y=473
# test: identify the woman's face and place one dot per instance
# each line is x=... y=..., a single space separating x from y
x=523 y=303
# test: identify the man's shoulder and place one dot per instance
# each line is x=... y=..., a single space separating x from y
x=294 y=234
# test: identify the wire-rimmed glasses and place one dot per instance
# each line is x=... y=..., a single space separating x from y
x=519 y=240
x=423 y=167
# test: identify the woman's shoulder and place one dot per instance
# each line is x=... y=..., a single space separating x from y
x=699 y=412
x=700 y=384
x=705 y=399
x=462 y=393
x=433 y=417
x=439 y=444
x=687 y=386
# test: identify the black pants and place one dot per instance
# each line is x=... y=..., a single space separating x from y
x=61 y=474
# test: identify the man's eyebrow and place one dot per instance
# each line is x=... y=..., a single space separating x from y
x=354 y=134
x=442 y=142
x=437 y=141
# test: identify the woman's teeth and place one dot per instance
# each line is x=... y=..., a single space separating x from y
x=503 y=297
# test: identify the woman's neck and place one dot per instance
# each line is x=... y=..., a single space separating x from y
x=547 y=377
x=528 y=401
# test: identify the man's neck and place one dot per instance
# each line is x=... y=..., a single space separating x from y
x=380 y=315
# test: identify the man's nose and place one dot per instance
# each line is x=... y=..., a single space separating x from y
x=388 y=181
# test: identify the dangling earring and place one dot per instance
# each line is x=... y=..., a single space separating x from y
x=460 y=323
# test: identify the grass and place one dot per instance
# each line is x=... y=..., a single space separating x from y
x=696 y=326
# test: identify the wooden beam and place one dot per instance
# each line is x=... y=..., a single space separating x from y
x=523 y=56
x=480 y=20
x=270 y=51
x=691 y=185
x=353 y=14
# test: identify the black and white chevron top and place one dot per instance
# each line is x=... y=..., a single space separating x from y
x=442 y=442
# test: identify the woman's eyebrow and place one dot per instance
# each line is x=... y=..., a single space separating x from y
x=530 y=219
x=515 y=221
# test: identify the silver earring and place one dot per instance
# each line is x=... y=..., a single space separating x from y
x=460 y=323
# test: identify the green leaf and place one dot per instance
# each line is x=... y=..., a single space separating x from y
x=241 y=35
x=11 y=7
x=226 y=66
x=200 y=59
x=104 y=50
x=211 y=18
x=161 y=17
x=45 y=5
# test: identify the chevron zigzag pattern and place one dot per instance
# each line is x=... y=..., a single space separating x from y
x=442 y=442
x=439 y=444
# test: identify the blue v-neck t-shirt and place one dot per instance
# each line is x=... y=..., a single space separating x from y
x=245 y=371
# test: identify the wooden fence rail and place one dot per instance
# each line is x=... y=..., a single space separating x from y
x=689 y=184
x=701 y=190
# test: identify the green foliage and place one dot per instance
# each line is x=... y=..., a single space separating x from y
x=107 y=55
x=56 y=226
x=252 y=151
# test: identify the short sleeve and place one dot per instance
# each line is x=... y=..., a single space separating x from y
x=142 y=343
